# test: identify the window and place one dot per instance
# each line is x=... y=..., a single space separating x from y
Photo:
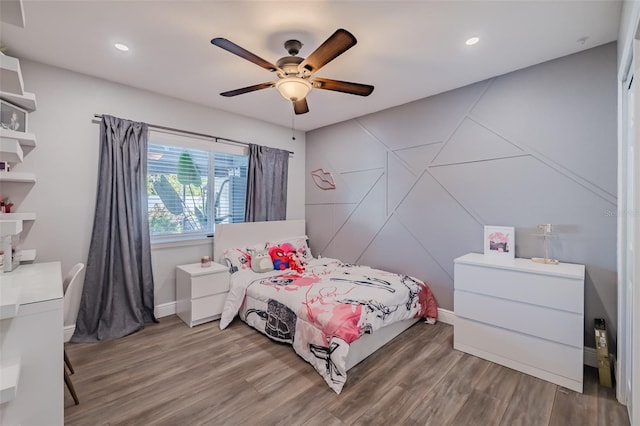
x=190 y=190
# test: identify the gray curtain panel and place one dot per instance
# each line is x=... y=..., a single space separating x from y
x=266 y=184
x=117 y=298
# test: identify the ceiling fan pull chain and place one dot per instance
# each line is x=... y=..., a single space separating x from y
x=293 y=126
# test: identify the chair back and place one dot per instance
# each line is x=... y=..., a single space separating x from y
x=72 y=287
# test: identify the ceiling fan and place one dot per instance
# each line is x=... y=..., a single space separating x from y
x=295 y=73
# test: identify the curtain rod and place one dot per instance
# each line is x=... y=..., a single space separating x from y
x=188 y=132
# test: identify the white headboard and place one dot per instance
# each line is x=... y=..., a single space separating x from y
x=231 y=235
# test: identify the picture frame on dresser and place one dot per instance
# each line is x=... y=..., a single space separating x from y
x=500 y=241
x=13 y=117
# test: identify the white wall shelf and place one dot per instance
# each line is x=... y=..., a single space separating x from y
x=27 y=101
x=18 y=216
x=10 y=373
x=25 y=139
x=17 y=177
x=11 y=75
x=10 y=227
x=11 y=151
x=12 y=12
x=9 y=303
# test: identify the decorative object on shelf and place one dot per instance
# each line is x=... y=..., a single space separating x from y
x=205 y=261
x=546 y=230
x=323 y=179
x=5 y=206
x=12 y=117
x=499 y=241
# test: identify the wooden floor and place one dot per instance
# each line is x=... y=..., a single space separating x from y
x=169 y=374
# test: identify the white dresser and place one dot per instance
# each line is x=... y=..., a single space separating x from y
x=523 y=315
x=201 y=292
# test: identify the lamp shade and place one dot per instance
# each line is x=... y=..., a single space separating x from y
x=293 y=88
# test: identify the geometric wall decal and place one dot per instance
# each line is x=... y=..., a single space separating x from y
x=400 y=181
x=568 y=117
x=419 y=157
x=351 y=148
x=395 y=249
x=472 y=142
x=431 y=119
x=580 y=220
x=363 y=224
x=360 y=182
x=440 y=223
x=323 y=222
x=537 y=145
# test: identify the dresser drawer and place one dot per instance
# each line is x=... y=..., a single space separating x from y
x=555 y=292
x=529 y=354
x=205 y=285
x=550 y=324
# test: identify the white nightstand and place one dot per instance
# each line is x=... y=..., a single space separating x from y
x=201 y=292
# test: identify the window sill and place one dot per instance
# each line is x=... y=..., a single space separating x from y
x=180 y=241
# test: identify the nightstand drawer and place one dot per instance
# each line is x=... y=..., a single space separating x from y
x=205 y=285
x=208 y=306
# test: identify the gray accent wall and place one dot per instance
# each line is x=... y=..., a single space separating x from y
x=417 y=183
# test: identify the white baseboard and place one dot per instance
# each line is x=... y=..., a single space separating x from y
x=165 y=310
x=160 y=311
x=446 y=316
x=590 y=355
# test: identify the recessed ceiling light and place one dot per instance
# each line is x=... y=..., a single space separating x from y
x=472 y=41
x=121 y=47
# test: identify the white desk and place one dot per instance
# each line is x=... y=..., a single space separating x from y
x=31 y=333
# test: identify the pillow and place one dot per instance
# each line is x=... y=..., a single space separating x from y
x=299 y=245
x=260 y=261
x=237 y=259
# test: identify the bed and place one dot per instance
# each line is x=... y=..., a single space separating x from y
x=333 y=314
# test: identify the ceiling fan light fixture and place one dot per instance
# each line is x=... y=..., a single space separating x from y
x=293 y=88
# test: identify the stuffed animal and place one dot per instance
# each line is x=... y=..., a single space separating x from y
x=292 y=256
x=279 y=258
x=261 y=261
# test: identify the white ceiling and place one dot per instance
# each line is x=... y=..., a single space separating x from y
x=407 y=49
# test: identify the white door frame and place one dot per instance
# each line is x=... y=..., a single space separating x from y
x=628 y=367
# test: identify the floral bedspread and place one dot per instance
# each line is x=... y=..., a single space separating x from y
x=323 y=310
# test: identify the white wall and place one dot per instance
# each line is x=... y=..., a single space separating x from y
x=65 y=161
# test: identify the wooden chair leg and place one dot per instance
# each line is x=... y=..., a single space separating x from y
x=67 y=381
x=68 y=362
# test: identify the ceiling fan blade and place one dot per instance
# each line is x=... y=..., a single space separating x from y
x=244 y=54
x=342 y=86
x=334 y=46
x=247 y=89
x=301 y=106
